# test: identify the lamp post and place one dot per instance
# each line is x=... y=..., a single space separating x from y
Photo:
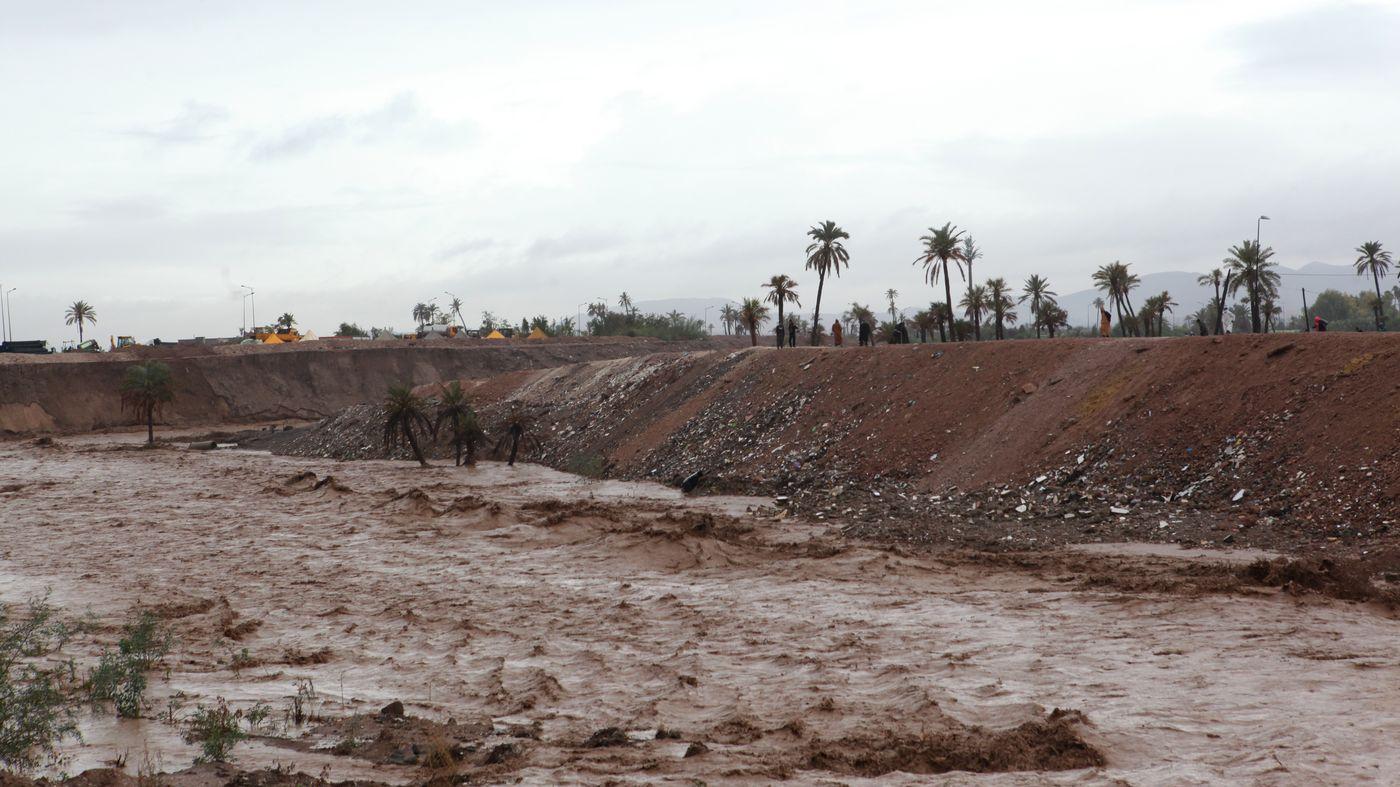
x=253 y=304
x=10 y=313
x=4 y=329
x=1257 y=223
x=708 y=329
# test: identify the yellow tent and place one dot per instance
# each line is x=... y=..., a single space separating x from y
x=495 y=335
x=272 y=339
x=537 y=334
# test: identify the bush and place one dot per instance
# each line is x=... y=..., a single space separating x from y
x=35 y=710
x=120 y=677
x=216 y=730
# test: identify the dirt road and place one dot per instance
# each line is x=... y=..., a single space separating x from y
x=539 y=609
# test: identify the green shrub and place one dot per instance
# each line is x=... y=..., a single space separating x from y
x=216 y=731
x=36 y=712
x=120 y=676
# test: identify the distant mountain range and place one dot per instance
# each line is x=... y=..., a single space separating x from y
x=1314 y=277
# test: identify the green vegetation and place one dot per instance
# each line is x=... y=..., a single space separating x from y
x=145 y=390
x=350 y=329
x=782 y=290
x=77 y=314
x=120 y=676
x=454 y=409
x=630 y=322
x=752 y=315
x=516 y=431
x=405 y=412
x=1376 y=261
x=36 y=712
x=941 y=247
x=826 y=254
x=216 y=730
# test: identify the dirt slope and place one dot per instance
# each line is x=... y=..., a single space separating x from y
x=74 y=392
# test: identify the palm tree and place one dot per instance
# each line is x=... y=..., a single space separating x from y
x=1164 y=305
x=1217 y=279
x=925 y=320
x=1051 y=316
x=783 y=290
x=752 y=315
x=1117 y=282
x=1036 y=290
x=145 y=390
x=973 y=304
x=454 y=408
x=729 y=318
x=971 y=253
x=77 y=314
x=1251 y=267
x=939 y=313
x=1373 y=258
x=826 y=254
x=942 y=246
x=286 y=321
x=1000 y=302
x=405 y=411
x=890 y=296
x=455 y=307
x=517 y=430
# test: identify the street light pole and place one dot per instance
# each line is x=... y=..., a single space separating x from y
x=1257 y=222
x=10 y=313
x=4 y=329
x=708 y=329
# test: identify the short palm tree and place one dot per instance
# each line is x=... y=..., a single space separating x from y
x=77 y=314
x=405 y=412
x=729 y=318
x=455 y=409
x=825 y=254
x=1163 y=306
x=941 y=247
x=752 y=315
x=1036 y=290
x=973 y=304
x=1374 y=260
x=517 y=430
x=939 y=313
x=1252 y=268
x=1000 y=303
x=146 y=389
x=1117 y=282
x=1217 y=279
x=783 y=290
x=286 y=321
x=1051 y=316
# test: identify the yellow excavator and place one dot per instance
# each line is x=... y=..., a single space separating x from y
x=122 y=342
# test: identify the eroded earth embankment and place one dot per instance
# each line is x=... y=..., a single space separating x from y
x=1050 y=440
x=79 y=392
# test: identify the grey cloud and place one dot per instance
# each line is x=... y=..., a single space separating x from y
x=464 y=249
x=1321 y=45
x=400 y=117
x=573 y=244
x=196 y=122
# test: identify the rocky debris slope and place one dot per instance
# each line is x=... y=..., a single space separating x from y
x=1056 y=440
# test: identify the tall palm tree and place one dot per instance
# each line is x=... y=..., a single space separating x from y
x=1000 y=302
x=405 y=411
x=517 y=431
x=146 y=388
x=1036 y=290
x=941 y=247
x=624 y=302
x=1164 y=305
x=752 y=315
x=1217 y=279
x=890 y=296
x=825 y=254
x=1117 y=282
x=455 y=409
x=77 y=314
x=970 y=254
x=1253 y=269
x=455 y=307
x=782 y=290
x=1373 y=258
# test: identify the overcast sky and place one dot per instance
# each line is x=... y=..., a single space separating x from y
x=348 y=159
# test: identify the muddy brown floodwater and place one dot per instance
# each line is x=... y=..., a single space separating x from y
x=536 y=610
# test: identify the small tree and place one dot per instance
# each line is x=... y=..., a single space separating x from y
x=285 y=322
x=752 y=315
x=783 y=290
x=145 y=390
x=404 y=412
x=516 y=431
x=455 y=409
x=77 y=314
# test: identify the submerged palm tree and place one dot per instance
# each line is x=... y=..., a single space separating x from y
x=825 y=254
x=941 y=247
x=752 y=315
x=456 y=410
x=783 y=290
x=77 y=314
x=1037 y=291
x=146 y=389
x=404 y=412
x=517 y=428
x=1373 y=259
x=1252 y=268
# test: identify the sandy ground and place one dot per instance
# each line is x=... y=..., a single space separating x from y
x=547 y=607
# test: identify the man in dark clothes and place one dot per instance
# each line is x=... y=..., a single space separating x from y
x=864 y=333
x=1319 y=325
x=792 y=331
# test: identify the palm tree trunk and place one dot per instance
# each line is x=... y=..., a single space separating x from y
x=413 y=443
x=753 y=335
x=817 y=315
x=1118 y=307
x=150 y=424
x=514 y=447
x=782 y=327
x=457 y=451
x=1380 y=304
x=948 y=292
x=1254 y=305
